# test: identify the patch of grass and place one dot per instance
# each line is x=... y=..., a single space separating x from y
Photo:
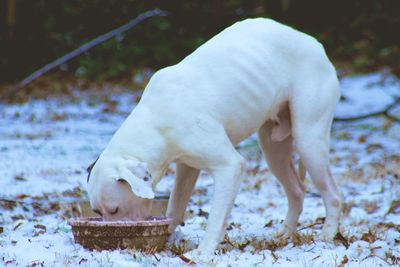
x=229 y=244
x=371 y=236
x=179 y=249
x=302 y=239
x=370 y=207
x=261 y=244
x=273 y=244
x=392 y=259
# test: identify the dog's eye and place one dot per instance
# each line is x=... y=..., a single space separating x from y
x=146 y=178
x=114 y=212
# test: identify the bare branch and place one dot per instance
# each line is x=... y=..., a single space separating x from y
x=82 y=49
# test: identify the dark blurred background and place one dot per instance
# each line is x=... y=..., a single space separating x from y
x=362 y=35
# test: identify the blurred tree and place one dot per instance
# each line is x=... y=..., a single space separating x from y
x=33 y=33
x=11 y=18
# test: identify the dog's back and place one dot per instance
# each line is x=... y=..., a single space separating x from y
x=243 y=75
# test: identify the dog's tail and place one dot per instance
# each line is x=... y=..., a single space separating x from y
x=302 y=175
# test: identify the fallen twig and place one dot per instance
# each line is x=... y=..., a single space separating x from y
x=318 y=222
x=186 y=260
x=340 y=238
x=82 y=49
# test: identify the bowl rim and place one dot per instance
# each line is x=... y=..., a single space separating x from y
x=97 y=222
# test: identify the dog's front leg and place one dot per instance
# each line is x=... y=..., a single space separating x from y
x=184 y=182
x=227 y=179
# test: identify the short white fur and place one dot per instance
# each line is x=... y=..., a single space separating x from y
x=255 y=76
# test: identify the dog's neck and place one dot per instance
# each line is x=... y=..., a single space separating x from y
x=139 y=138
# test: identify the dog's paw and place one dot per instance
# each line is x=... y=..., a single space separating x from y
x=198 y=256
x=176 y=236
x=329 y=232
x=284 y=232
x=327 y=235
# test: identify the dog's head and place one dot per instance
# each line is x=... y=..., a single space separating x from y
x=120 y=189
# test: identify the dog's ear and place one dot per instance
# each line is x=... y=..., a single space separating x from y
x=139 y=169
x=89 y=169
x=138 y=187
x=137 y=176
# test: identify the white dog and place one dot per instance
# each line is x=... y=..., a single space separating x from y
x=256 y=75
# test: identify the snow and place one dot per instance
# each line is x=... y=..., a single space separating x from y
x=45 y=147
x=366 y=94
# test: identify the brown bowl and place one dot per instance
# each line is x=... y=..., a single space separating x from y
x=146 y=235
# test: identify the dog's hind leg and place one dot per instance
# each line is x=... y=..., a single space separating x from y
x=184 y=183
x=311 y=125
x=278 y=154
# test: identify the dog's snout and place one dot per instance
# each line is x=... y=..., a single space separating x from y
x=112 y=213
x=107 y=211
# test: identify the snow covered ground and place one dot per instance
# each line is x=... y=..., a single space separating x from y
x=45 y=147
